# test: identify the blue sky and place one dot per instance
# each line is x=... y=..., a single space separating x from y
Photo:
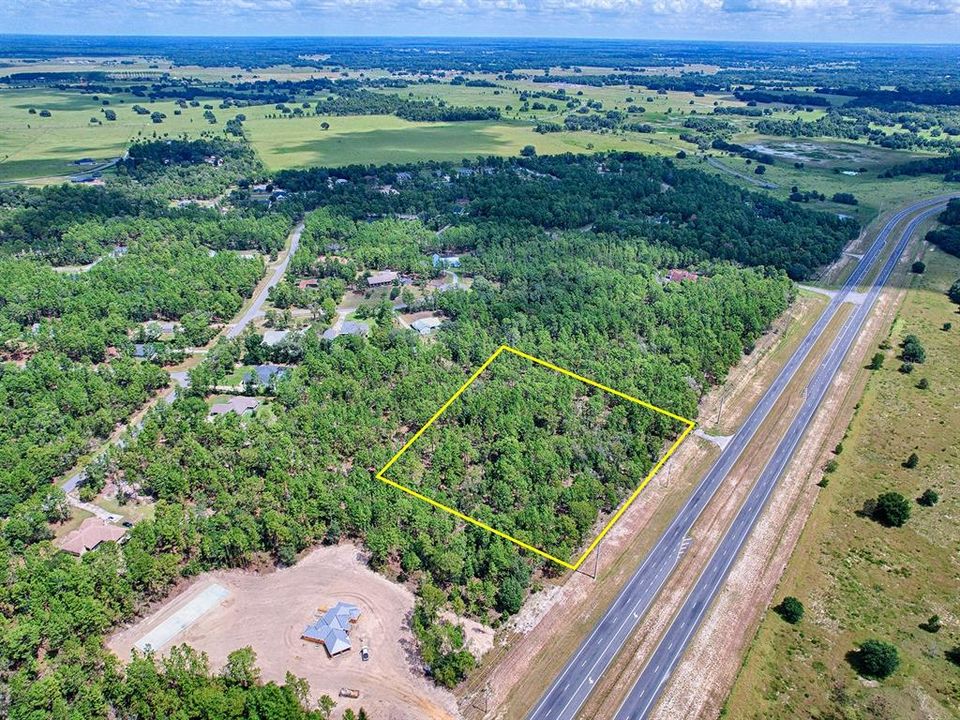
x=775 y=20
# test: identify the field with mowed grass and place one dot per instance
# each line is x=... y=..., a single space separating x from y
x=860 y=580
x=34 y=147
x=301 y=142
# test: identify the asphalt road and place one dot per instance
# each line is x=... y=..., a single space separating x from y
x=573 y=685
x=643 y=696
x=257 y=306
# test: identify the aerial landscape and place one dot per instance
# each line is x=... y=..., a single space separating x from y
x=467 y=360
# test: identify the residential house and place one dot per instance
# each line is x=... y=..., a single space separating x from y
x=92 y=532
x=332 y=629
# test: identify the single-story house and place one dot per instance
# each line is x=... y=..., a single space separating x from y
x=92 y=532
x=265 y=374
x=146 y=351
x=447 y=261
x=426 y=325
x=240 y=404
x=274 y=337
x=347 y=327
x=384 y=277
x=332 y=628
x=307 y=283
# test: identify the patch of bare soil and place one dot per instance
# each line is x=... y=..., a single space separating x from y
x=270 y=611
x=708 y=669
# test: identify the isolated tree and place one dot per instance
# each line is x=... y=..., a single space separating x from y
x=761 y=170
x=929 y=498
x=906 y=368
x=954 y=292
x=324 y=125
x=528 y=151
x=892 y=509
x=912 y=461
x=876 y=659
x=924 y=384
x=918 y=268
x=790 y=609
x=953 y=655
x=326 y=704
x=877 y=362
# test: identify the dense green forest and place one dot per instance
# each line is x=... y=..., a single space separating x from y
x=619 y=193
x=158 y=278
x=568 y=259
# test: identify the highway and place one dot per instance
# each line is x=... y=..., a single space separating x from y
x=567 y=694
x=646 y=690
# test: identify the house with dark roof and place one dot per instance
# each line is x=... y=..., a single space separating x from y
x=332 y=629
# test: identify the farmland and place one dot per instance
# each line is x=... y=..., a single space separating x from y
x=859 y=579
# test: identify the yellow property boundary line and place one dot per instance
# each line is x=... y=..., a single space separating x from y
x=453 y=511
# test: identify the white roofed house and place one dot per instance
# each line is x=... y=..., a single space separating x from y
x=240 y=404
x=332 y=628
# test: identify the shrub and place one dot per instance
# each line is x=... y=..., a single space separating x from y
x=876 y=659
x=906 y=368
x=913 y=350
x=918 y=268
x=947 y=326
x=790 y=609
x=932 y=625
x=892 y=509
x=877 y=362
x=831 y=466
x=924 y=384
x=929 y=498
x=911 y=462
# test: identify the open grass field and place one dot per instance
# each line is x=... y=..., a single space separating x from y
x=860 y=580
x=299 y=142
x=33 y=147
x=830 y=166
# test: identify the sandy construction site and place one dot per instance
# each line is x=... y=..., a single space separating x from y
x=225 y=610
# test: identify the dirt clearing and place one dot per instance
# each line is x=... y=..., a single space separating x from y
x=269 y=612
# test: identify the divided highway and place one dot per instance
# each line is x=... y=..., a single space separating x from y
x=573 y=685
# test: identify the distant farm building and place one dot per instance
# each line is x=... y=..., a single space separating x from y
x=676 y=275
x=384 y=277
x=241 y=405
x=332 y=629
x=91 y=533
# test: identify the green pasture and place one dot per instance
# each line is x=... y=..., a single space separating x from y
x=300 y=142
